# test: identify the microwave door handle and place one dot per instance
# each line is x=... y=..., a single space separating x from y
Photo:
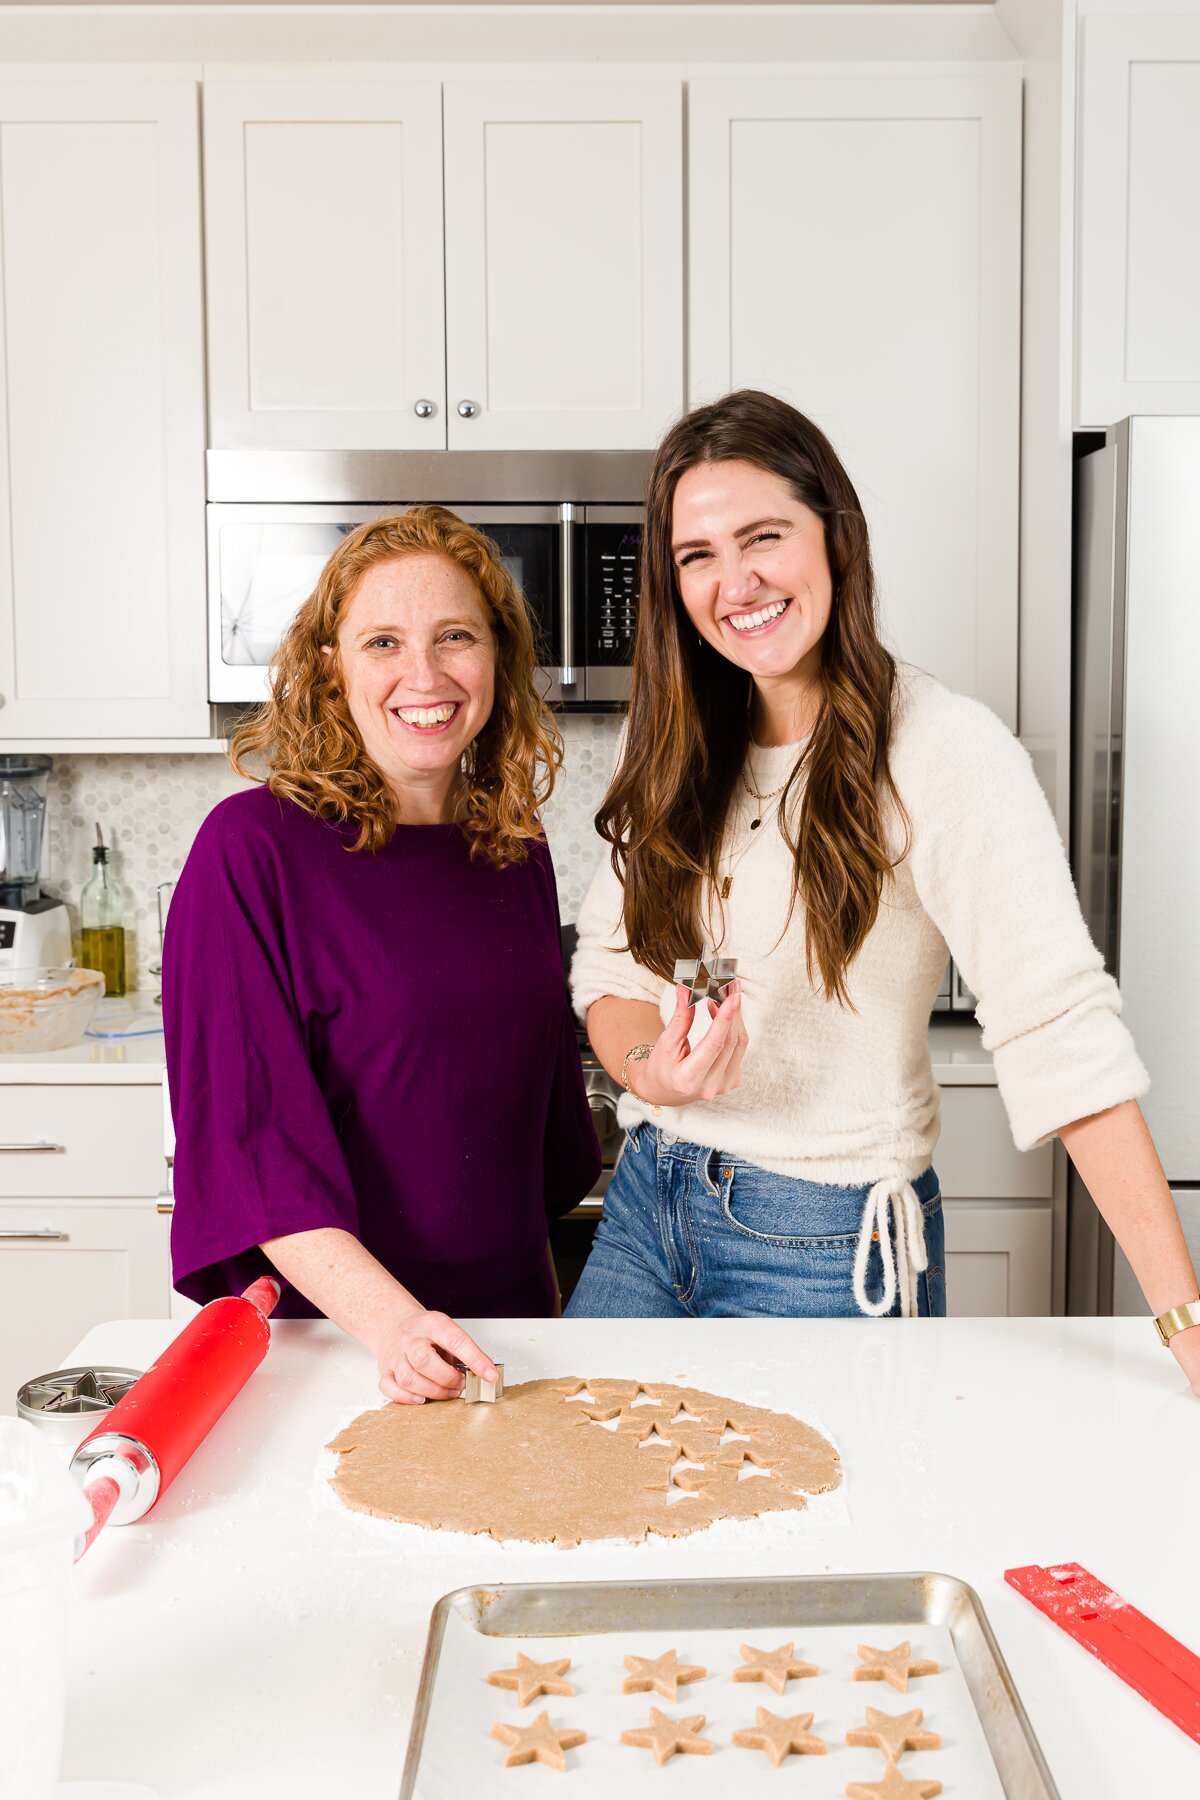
x=567 y=674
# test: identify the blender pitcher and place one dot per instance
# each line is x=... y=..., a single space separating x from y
x=22 y=823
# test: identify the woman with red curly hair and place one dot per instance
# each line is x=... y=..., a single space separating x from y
x=374 y=1076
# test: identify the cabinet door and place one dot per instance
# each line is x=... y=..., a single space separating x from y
x=855 y=247
x=1138 y=219
x=65 y=1267
x=564 y=262
x=998 y=1257
x=102 y=405
x=323 y=211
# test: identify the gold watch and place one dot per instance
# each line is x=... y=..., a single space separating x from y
x=1180 y=1318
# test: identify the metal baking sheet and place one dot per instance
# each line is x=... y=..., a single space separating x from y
x=989 y=1748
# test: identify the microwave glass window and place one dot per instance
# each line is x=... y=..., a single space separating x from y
x=267 y=573
x=530 y=554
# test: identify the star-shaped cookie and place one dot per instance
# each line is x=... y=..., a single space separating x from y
x=539 y=1742
x=892 y=1787
x=666 y=1736
x=530 y=1679
x=659 y=1674
x=775 y=1667
x=893 y=1733
x=778 y=1736
x=894 y=1666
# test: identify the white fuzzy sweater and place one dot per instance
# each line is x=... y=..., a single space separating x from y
x=848 y=1097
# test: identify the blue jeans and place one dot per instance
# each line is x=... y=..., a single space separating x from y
x=690 y=1232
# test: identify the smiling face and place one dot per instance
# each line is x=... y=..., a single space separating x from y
x=417 y=657
x=754 y=578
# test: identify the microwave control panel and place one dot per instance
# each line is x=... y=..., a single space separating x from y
x=614 y=563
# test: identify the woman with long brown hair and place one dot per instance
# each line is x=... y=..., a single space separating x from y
x=789 y=795
x=374 y=1076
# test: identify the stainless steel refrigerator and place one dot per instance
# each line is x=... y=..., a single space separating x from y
x=1136 y=791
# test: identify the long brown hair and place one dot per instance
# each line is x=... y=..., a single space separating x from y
x=689 y=717
x=312 y=747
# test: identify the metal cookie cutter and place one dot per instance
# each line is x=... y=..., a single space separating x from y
x=68 y=1402
x=475 y=1388
x=706 y=977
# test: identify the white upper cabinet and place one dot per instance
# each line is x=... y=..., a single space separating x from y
x=102 y=409
x=855 y=247
x=564 y=262
x=1138 y=268
x=323 y=210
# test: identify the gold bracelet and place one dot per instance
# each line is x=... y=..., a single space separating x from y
x=1179 y=1318
x=638 y=1053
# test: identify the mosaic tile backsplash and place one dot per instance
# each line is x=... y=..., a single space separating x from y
x=150 y=808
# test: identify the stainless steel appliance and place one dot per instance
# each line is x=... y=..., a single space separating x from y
x=568 y=528
x=1136 y=799
x=35 y=929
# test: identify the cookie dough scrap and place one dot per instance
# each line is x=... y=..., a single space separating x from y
x=896 y=1666
x=775 y=1667
x=668 y=1737
x=892 y=1787
x=531 y=1679
x=780 y=1737
x=544 y=1467
x=894 y=1733
x=662 y=1675
x=540 y=1742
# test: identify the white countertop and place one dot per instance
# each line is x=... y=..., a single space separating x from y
x=959 y=1059
x=250 y=1636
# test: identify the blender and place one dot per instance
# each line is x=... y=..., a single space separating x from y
x=35 y=930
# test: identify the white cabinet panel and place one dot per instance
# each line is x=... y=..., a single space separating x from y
x=58 y=1141
x=998 y=1259
x=854 y=246
x=1138 y=220
x=323 y=204
x=102 y=402
x=564 y=262
x=65 y=1268
x=976 y=1158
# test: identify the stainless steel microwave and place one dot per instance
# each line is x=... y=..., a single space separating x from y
x=568 y=528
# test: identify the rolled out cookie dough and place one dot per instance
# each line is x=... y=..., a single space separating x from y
x=566 y=1460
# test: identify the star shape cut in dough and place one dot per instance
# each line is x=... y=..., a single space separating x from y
x=539 y=1742
x=666 y=1736
x=894 y=1666
x=531 y=1679
x=893 y=1733
x=659 y=1674
x=775 y=1667
x=778 y=1736
x=892 y=1787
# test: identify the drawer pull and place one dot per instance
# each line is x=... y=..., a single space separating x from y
x=46 y=1235
x=166 y=1205
x=42 y=1148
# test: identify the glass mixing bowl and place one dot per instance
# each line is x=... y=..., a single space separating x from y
x=46 y=1009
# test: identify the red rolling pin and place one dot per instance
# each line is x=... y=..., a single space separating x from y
x=138 y=1449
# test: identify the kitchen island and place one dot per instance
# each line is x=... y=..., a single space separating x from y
x=251 y=1637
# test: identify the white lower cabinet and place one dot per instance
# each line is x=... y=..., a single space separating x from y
x=997 y=1259
x=68 y=1265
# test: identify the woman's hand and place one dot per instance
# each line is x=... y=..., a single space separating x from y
x=675 y=1074
x=1186 y=1345
x=418 y=1354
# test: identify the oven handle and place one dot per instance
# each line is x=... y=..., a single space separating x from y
x=567 y=515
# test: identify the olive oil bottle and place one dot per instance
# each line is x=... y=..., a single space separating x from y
x=101 y=921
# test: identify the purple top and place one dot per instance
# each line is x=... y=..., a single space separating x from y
x=380 y=1042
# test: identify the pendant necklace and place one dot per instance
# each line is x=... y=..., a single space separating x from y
x=755 y=822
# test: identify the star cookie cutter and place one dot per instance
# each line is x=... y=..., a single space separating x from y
x=706 y=977
x=476 y=1389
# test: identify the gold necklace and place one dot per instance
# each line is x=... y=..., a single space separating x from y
x=726 y=887
x=761 y=798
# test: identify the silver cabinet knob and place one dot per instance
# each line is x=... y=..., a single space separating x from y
x=424 y=409
x=467 y=409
